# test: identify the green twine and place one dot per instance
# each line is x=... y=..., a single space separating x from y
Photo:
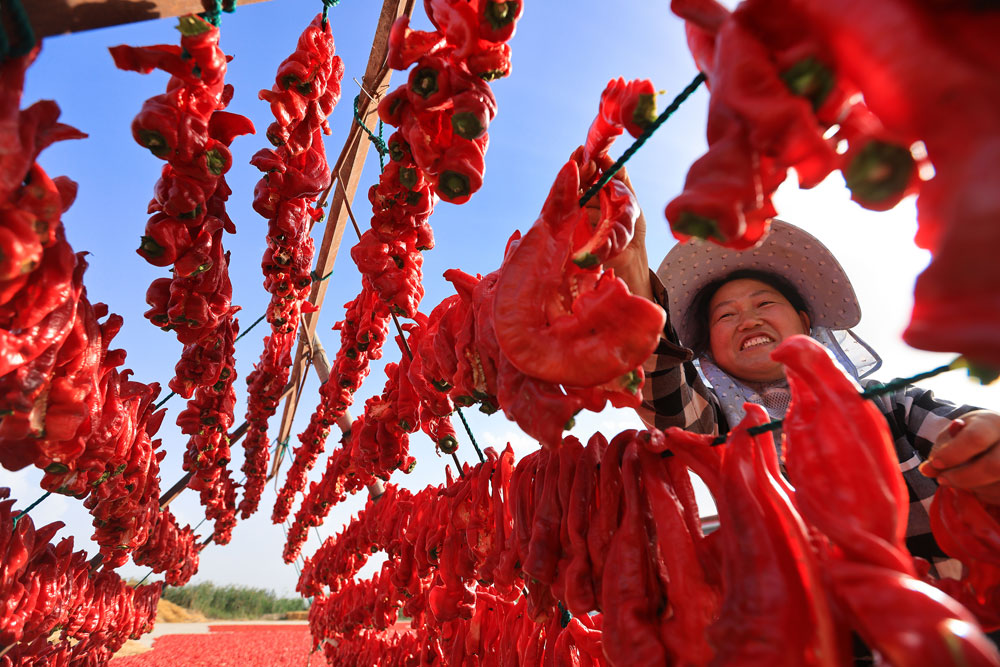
x=641 y=139
x=24 y=35
x=256 y=322
x=143 y=579
x=165 y=399
x=468 y=430
x=30 y=507
x=381 y=155
x=326 y=7
x=380 y=146
x=871 y=392
x=899 y=383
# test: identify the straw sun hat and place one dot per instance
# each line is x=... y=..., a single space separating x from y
x=787 y=251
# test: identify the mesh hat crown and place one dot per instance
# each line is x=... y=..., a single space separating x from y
x=786 y=250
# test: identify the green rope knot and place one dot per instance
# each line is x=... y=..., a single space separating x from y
x=317 y=278
x=214 y=15
x=326 y=7
x=380 y=146
x=564 y=616
x=24 y=35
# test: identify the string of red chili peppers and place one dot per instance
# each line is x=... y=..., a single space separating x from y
x=156 y=407
x=395 y=320
x=382 y=151
x=208 y=540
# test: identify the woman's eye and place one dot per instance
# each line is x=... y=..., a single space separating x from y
x=765 y=303
x=723 y=316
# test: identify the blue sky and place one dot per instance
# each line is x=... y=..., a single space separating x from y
x=563 y=54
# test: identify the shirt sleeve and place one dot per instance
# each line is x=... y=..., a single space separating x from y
x=916 y=417
x=674 y=393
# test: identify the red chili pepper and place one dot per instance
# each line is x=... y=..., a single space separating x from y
x=624 y=106
x=406 y=46
x=460 y=170
x=545 y=325
x=429 y=84
x=694 y=602
x=580 y=598
x=498 y=19
x=629 y=604
x=907 y=621
x=545 y=546
x=727 y=192
x=609 y=504
x=869 y=521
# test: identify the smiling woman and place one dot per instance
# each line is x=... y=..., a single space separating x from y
x=729 y=310
x=747 y=320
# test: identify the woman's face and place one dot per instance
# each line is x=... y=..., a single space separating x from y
x=747 y=319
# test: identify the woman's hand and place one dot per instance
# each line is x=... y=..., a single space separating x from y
x=966 y=455
x=632 y=263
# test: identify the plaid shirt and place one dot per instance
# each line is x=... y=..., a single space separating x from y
x=675 y=395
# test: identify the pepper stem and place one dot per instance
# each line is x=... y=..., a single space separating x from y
x=880 y=171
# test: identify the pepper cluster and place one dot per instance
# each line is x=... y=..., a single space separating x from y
x=306 y=89
x=50 y=588
x=818 y=88
x=338 y=480
x=444 y=110
x=551 y=304
x=778 y=101
x=188 y=128
x=362 y=334
x=443 y=113
x=614 y=528
x=968 y=530
x=443 y=545
x=378 y=440
x=499 y=633
x=68 y=408
x=170 y=549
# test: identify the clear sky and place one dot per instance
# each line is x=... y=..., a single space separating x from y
x=564 y=54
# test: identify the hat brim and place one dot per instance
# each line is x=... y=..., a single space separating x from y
x=786 y=251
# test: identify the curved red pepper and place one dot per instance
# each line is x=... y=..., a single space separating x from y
x=828 y=417
x=561 y=325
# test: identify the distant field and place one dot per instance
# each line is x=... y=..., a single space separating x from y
x=231 y=602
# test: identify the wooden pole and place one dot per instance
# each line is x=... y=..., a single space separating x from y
x=348 y=167
x=58 y=17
